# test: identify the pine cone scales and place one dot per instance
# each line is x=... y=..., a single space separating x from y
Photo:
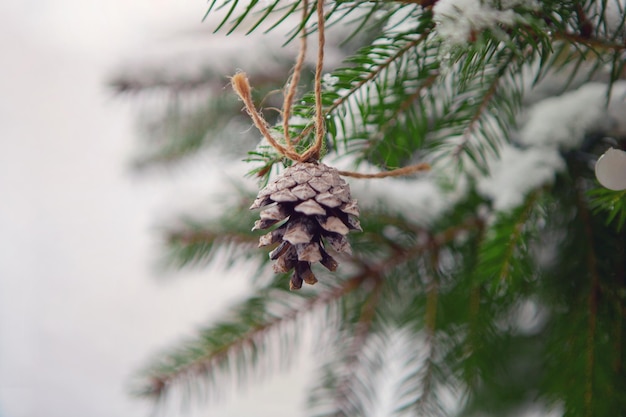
x=314 y=204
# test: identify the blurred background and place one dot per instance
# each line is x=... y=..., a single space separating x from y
x=83 y=302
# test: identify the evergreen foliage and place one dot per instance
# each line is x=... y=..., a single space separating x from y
x=493 y=309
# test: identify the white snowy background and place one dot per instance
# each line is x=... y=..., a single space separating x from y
x=81 y=305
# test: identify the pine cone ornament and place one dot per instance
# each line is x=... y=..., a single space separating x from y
x=314 y=205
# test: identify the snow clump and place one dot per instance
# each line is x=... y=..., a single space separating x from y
x=564 y=120
x=554 y=124
x=517 y=172
x=457 y=20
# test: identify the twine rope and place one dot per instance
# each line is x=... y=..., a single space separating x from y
x=241 y=85
x=295 y=78
x=320 y=128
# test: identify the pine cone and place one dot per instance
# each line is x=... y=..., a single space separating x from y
x=313 y=202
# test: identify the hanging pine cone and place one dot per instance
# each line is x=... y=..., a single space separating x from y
x=316 y=209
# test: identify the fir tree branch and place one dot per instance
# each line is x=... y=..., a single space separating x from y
x=432 y=295
x=354 y=353
x=187 y=247
x=480 y=110
x=502 y=254
x=417 y=387
x=204 y=364
x=515 y=237
x=620 y=307
x=433 y=243
x=422 y=404
x=427 y=4
x=613 y=203
x=209 y=237
x=405 y=105
x=430 y=322
x=377 y=272
x=592 y=299
x=471 y=373
x=347 y=387
x=590 y=42
x=203 y=358
x=375 y=73
x=357 y=81
x=193 y=241
x=405 y=95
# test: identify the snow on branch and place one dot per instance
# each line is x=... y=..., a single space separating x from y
x=563 y=121
x=459 y=20
x=554 y=124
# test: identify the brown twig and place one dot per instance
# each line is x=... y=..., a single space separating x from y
x=589 y=41
x=393 y=173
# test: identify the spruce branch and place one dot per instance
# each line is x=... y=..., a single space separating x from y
x=347 y=387
x=406 y=104
x=482 y=107
x=375 y=71
x=241 y=339
x=432 y=295
x=433 y=243
x=456 y=288
x=620 y=307
x=474 y=318
x=192 y=241
x=610 y=203
x=589 y=42
x=470 y=373
x=417 y=389
x=592 y=300
x=195 y=245
x=343 y=390
x=500 y=260
x=516 y=236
